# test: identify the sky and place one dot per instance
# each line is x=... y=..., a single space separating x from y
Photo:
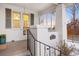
x=69 y=13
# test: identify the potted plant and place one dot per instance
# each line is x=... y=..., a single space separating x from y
x=2 y=39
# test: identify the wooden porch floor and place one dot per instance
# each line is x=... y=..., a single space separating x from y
x=18 y=48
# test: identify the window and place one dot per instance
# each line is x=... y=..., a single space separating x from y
x=48 y=20
x=26 y=20
x=26 y=23
x=16 y=19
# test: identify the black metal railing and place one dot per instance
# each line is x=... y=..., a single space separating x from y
x=48 y=50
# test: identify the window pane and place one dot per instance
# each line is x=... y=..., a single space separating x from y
x=42 y=20
x=16 y=19
x=25 y=18
x=47 y=19
x=53 y=20
x=16 y=24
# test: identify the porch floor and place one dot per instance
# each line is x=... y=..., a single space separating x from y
x=18 y=48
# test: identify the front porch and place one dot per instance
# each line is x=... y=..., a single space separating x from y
x=18 y=48
x=35 y=31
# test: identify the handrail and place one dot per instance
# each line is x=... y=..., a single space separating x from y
x=42 y=42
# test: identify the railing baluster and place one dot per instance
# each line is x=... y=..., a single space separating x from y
x=60 y=53
x=54 y=52
x=39 y=48
x=34 y=47
x=44 y=50
x=49 y=51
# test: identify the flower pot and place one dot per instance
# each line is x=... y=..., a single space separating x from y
x=2 y=39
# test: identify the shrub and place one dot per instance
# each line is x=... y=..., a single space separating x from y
x=64 y=49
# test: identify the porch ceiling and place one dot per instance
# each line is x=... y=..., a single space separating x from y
x=34 y=6
x=37 y=7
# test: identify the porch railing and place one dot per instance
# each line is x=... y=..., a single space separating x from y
x=51 y=50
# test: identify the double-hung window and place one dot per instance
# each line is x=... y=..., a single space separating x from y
x=48 y=20
x=16 y=19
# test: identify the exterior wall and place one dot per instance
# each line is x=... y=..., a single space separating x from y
x=61 y=26
x=42 y=35
x=12 y=33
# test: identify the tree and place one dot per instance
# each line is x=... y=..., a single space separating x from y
x=73 y=10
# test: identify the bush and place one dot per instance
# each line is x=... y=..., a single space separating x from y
x=64 y=49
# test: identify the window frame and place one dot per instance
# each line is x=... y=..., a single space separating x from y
x=28 y=19
x=19 y=20
x=44 y=18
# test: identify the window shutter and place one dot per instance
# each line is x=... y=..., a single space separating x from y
x=32 y=19
x=8 y=18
